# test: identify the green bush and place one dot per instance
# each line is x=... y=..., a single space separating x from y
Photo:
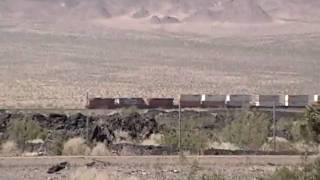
x=249 y=129
x=308 y=172
x=57 y=145
x=125 y=112
x=24 y=130
x=312 y=130
x=192 y=138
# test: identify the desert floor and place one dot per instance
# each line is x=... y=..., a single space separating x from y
x=45 y=66
x=146 y=167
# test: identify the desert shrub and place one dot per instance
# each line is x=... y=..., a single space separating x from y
x=307 y=129
x=212 y=177
x=284 y=173
x=296 y=130
x=307 y=172
x=192 y=139
x=311 y=132
x=100 y=150
x=9 y=148
x=281 y=144
x=57 y=145
x=125 y=112
x=284 y=128
x=24 y=130
x=75 y=146
x=194 y=169
x=249 y=129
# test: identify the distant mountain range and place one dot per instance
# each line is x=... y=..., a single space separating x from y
x=172 y=11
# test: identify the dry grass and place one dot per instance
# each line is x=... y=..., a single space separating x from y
x=100 y=150
x=75 y=146
x=154 y=139
x=93 y=174
x=9 y=148
x=90 y=174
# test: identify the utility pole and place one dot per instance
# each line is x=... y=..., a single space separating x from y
x=87 y=127
x=87 y=99
x=274 y=126
x=180 y=134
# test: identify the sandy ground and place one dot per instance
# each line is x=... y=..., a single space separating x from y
x=44 y=66
x=163 y=167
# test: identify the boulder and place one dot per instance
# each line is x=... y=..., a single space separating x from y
x=102 y=134
x=155 y=20
x=57 y=167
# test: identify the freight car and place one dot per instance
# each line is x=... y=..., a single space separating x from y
x=190 y=101
x=165 y=103
x=101 y=103
x=213 y=101
x=269 y=101
x=130 y=102
x=206 y=101
x=238 y=100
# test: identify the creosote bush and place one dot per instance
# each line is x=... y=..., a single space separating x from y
x=100 y=150
x=192 y=139
x=311 y=130
x=249 y=129
x=75 y=146
x=24 y=130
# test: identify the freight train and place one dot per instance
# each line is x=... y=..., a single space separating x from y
x=206 y=101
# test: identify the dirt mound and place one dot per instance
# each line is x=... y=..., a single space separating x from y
x=164 y=20
x=141 y=13
x=243 y=11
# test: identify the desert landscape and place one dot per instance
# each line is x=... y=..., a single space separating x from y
x=54 y=52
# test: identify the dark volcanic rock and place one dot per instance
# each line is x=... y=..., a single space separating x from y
x=4 y=120
x=164 y=20
x=133 y=149
x=102 y=134
x=155 y=20
x=169 y=20
x=136 y=125
x=41 y=119
x=57 y=168
x=76 y=121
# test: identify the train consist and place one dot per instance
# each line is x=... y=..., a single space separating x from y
x=206 y=101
